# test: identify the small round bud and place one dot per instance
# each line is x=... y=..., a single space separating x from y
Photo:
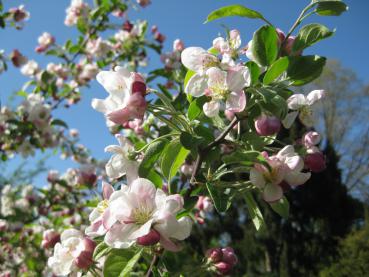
x=315 y=162
x=50 y=238
x=223 y=267
x=229 y=256
x=267 y=125
x=214 y=254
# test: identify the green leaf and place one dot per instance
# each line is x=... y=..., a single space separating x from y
x=304 y=69
x=254 y=71
x=58 y=122
x=100 y=250
x=330 y=7
x=220 y=199
x=265 y=45
x=246 y=158
x=173 y=157
x=282 y=207
x=310 y=34
x=273 y=103
x=152 y=154
x=131 y=264
x=155 y=178
x=116 y=261
x=195 y=108
x=254 y=211
x=233 y=10
x=275 y=70
x=188 y=76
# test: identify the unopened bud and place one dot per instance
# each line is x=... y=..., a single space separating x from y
x=267 y=125
x=214 y=254
x=151 y=238
x=229 y=256
x=50 y=238
x=223 y=267
x=315 y=162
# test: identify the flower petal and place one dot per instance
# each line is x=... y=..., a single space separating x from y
x=296 y=101
x=211 y=108
x=289 y=119
x=257 y=178
x=236 y=102
x=272 y=193
x=196 y=85
x=315 y=96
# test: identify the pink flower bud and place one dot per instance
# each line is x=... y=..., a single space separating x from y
x=84 y=259
x=223 y=267
x=229 y=256
x=214 y=254
x=288 y=47
x=311 y=138
x=127 y=26
x=17 y=58
x=154 y=29
x=144 y=3
x=267 y=125
x=50 y=238
x=178 y=45
x=315 y=162
x=151 y=238
x=138 y=85
x=186 y=169
x=159 y=37
x=52 y=176
x=281 y=36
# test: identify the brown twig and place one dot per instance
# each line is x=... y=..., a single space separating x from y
x=204 y=151
x=153 y=263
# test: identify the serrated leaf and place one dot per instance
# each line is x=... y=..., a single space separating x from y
x=304 y=69
x=254 y=211
x=195 y=108
x=276 y=70
x=58 y=122
x=174 y=156
x=220 y=199
x=309 y=35
x=254 y=71
x=281 y=207
x=116 y=261
x=233 y=10
x=131 y=264
x=265 y=45
x=100 y=250
x=151 y=156
x=330 y=7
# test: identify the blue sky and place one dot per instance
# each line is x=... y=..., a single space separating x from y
x=176 y=19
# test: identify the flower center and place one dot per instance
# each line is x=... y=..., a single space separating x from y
x=306 y=111
x=101 y=207
x=141 y=215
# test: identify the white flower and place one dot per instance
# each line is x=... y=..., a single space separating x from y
x=119 y=164
x=139 y=210
x=304 y=107
x=74 y=251
x=126 y=96
x=30 y=68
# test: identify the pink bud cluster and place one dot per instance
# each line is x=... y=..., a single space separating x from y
x=221 y=260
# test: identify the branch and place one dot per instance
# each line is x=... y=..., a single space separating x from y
x=153 y=263
x=205 y=150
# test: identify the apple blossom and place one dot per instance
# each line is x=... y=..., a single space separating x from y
x=228 y=48
x=126 y=96
x=120 y=164
x=225 y=86
x=303 y=106
x=19 y=13
x=100 y=214
x=44 y=42
x=98 y=47
x=178 y=45
x=140 y=208
x=286 y=166
x=49 y=238
x=267 y=125
x=77 y=9
x=30 y=69
x=73 y=252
